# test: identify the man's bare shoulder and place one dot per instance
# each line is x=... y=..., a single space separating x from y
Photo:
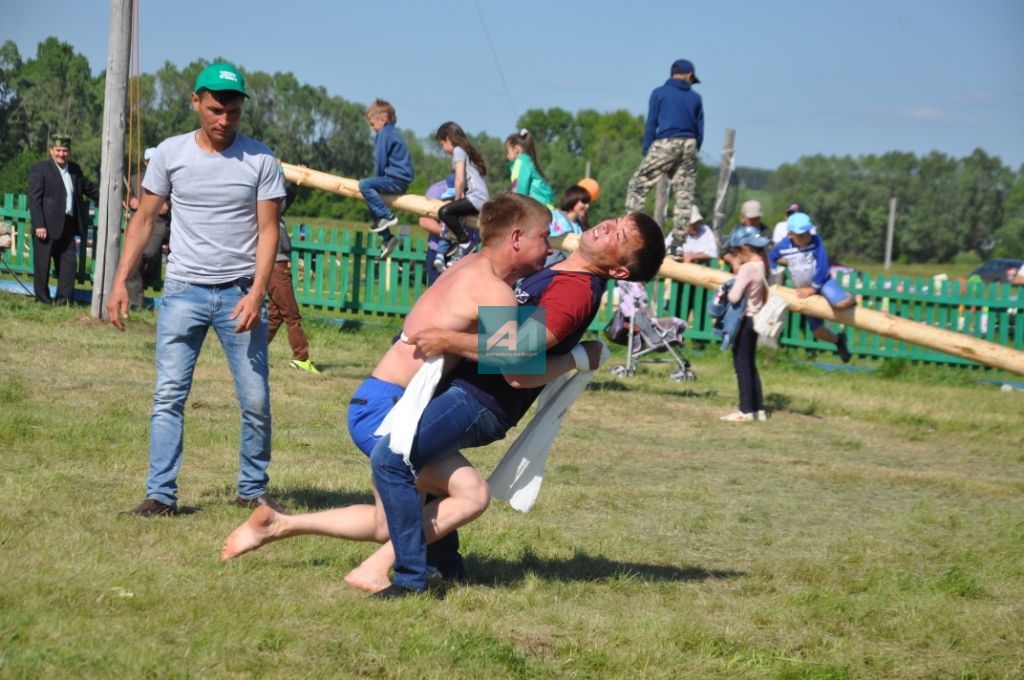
x=453 y=301
x=477 y=281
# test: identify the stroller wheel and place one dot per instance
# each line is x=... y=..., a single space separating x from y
x=683 y=375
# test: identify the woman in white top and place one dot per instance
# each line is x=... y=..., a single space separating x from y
x=748 y=246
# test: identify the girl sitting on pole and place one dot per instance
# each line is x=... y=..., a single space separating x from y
x=470 y=193
x=527 y=177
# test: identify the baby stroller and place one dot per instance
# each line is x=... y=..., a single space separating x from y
x=634 y=327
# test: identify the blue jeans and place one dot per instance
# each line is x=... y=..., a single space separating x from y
x=187 y=312
x=832 y=292
x=452 y=421
x=372 y=187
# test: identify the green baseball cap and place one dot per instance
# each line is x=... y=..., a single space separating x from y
x=219 y=78
x=60 y=140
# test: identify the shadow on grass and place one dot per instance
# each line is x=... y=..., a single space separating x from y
x=620 y=386
x=776 y=403
x=686 y=394
x=583 y=567
x=607 y=386
x=341 y=370
x=321 y=499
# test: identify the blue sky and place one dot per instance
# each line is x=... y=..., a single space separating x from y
x=792 y=77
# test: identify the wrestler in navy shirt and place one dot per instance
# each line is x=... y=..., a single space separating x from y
x=570 y=300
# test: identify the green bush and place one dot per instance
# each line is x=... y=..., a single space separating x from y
x=891 y=369
x=14 y=172
x=968 y=258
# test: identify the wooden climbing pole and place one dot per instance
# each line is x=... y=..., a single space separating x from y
x=940 y=339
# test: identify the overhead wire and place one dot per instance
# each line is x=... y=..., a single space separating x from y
x=497 y=62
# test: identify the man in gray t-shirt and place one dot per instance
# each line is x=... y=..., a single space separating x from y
x=226 y=190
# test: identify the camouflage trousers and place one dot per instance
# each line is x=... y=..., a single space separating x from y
x=677 y=158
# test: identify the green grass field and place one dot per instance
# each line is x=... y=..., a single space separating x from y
x=872 y=528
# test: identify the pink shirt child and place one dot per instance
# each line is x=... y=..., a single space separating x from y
x=750 y=281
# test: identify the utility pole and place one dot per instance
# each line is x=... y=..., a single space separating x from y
x=725 y=168
x=108 y=235
x=890 y=231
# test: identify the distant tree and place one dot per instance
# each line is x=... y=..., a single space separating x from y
x=932 y=229
x=167 y=103
x=611 y=142
x=10 y=64
x=14 y=172
x=983 y=183
x=1009 y=236
x=57 y=93
x=754 y=178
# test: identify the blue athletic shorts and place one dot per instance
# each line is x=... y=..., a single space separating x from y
x=370 y=403
x=832 y=292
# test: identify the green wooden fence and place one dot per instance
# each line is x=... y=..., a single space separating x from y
x=14 y=211
x=338 y=270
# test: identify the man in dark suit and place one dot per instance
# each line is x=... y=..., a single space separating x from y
x=55 y=189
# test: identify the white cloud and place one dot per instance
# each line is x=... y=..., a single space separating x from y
x=932 y=115
x=921 y=114
x=974 y=97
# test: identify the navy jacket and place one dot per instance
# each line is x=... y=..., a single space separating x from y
x=675 y=110
x=391 y=155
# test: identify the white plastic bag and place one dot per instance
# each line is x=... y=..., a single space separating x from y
x=771 y=320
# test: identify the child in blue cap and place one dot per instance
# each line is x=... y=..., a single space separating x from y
x=750 y=287
x=803 y=252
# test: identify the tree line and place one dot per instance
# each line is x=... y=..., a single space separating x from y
x=945 y=206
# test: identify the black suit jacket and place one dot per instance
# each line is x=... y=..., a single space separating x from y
x=47 y=197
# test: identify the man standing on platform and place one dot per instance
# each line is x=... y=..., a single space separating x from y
x=672 y=139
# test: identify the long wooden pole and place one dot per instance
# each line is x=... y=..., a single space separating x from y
x=345 y=186
x=112 y=162
x=939 y=339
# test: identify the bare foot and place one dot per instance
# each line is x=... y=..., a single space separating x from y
x=251 y=534
x=366 y=579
